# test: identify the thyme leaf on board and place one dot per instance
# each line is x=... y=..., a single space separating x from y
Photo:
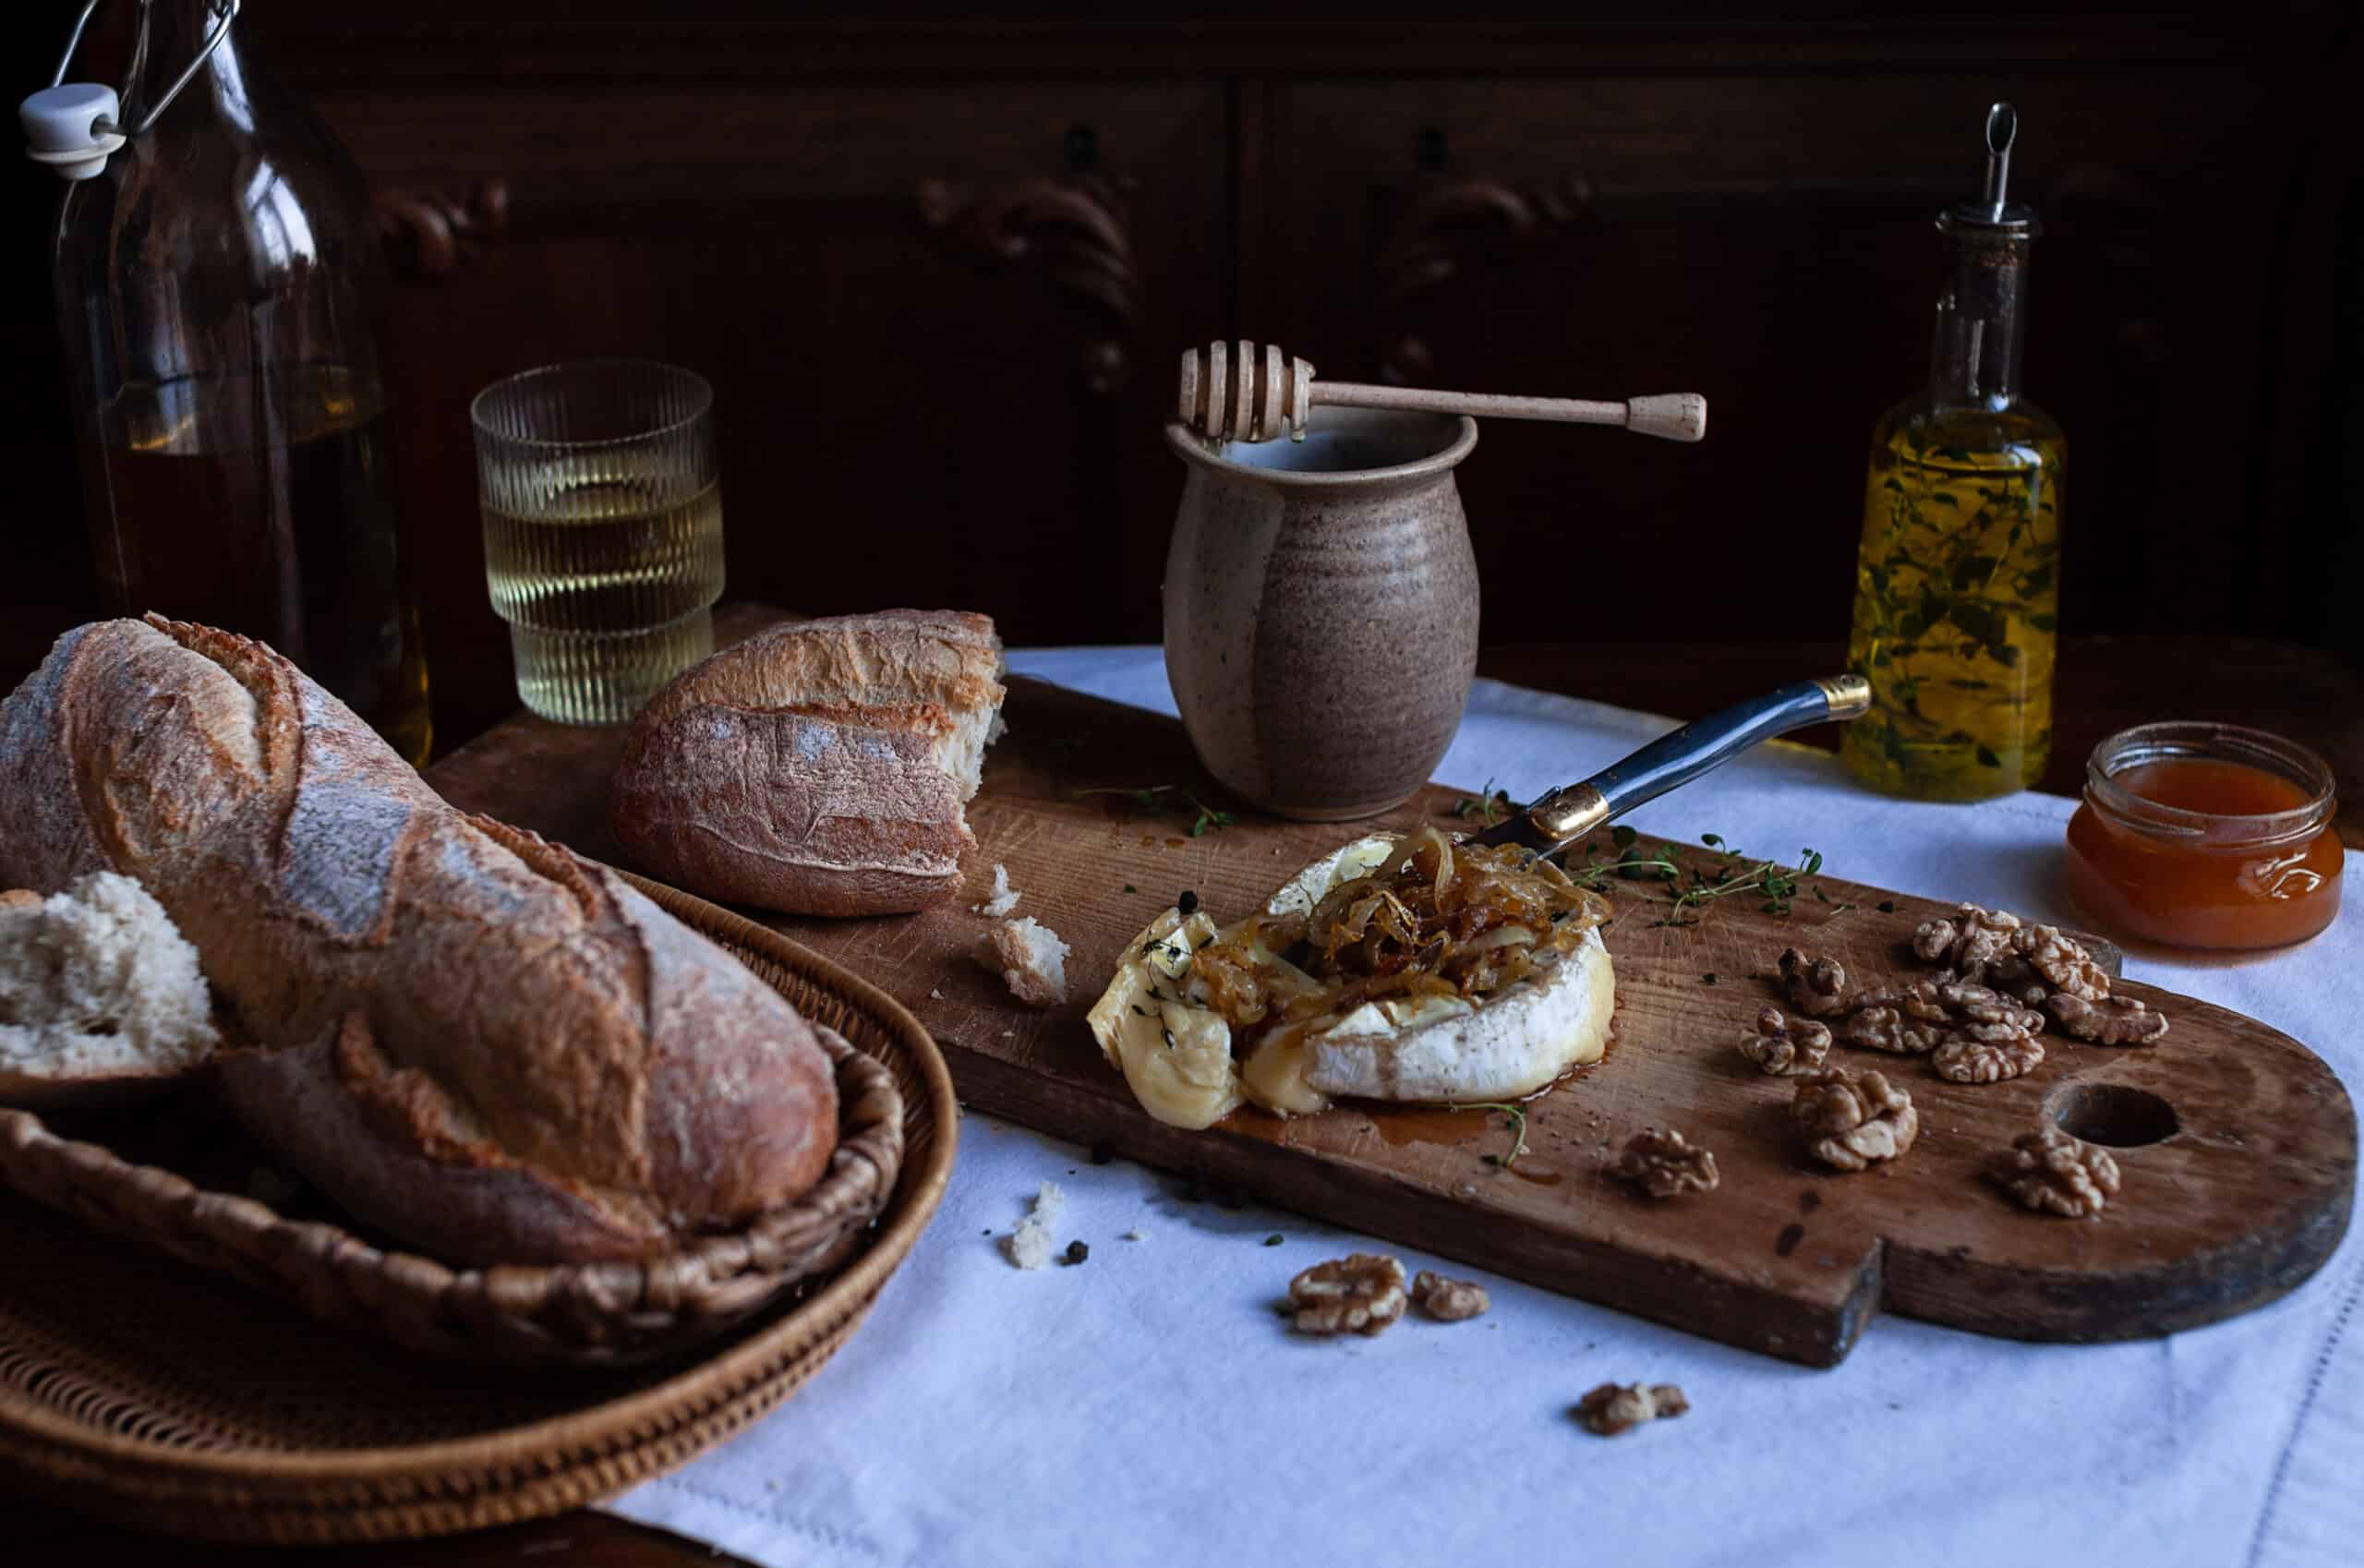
x=1776 y=884
x=1517 y=1115
x=1154 y=797
x=1483 y=806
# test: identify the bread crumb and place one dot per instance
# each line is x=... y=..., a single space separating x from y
x=1030 y=957
x=1137 y=1234
x=96 y=982
x=1030 y=1246
x=1003 y=899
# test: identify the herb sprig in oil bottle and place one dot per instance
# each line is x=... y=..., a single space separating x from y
x=1957 y=582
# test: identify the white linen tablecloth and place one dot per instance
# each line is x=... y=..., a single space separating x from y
x=1149 y=1407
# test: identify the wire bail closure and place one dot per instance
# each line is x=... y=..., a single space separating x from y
x=72 y=126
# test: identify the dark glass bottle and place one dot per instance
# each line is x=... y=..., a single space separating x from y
x=1957 y=579
x=225 y=309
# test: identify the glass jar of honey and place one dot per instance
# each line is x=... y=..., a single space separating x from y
x=2202 y=835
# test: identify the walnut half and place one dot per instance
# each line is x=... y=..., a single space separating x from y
x=2115 y=1020
x=2050 y=1172
x=1785 y=1046
x=1818 y=987
x=1665 y=1164
x=1964 y=1060
x=1912 y=1023
x=1614 y=1408
x=2066 y=967
x=1969 y=942
x=1994 y=1038
x=1852 y=1123
x=1361 y=1293
x=1449 y=1300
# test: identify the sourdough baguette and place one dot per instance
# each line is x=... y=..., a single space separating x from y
x=495 y=1051
x=819 y=768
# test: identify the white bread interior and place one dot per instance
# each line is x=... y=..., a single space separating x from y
x=1030 y=956
x=98 y=989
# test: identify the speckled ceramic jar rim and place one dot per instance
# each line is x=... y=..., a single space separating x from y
x=1192 y=448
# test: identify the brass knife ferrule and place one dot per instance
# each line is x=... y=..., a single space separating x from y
x=1568 y=814
x=1851 y=695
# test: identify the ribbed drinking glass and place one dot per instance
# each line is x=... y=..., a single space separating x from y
x=602 y=530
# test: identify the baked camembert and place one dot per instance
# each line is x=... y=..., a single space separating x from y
x=1409 y=969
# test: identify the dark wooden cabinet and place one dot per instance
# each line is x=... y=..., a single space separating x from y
x=939 y=270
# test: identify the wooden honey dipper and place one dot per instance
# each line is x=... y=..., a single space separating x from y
x=1249 y=396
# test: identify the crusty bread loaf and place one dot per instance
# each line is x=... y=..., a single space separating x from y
x=819 y=768
x=101 y=998
x=493 y=1050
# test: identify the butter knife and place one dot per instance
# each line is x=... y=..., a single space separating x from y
x=1568 y=814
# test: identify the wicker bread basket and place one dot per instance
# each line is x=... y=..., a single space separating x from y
x=174 y=1399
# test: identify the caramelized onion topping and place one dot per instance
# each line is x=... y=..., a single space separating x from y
x=1434 y=918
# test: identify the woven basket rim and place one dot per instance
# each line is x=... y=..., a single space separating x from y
x=702 y=1383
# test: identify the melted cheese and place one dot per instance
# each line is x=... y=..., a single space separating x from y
x=1175 y=1057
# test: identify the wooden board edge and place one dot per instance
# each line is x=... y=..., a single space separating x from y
x=1730 y=1308
x=1962 y=1293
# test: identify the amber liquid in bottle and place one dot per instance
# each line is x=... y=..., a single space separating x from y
x=293 y=544
x=227 y=322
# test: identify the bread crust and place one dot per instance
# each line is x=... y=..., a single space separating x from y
x=806 y=769
x=546 y=1068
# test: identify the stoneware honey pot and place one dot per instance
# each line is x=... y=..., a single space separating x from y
x=1321 y=608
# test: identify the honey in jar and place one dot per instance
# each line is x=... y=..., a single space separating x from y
x=2206 y=835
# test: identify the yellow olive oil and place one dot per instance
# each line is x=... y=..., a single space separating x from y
x=1957 y=602
x=1958 y=577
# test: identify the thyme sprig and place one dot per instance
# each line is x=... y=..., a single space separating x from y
x=1153 y=797
x=1518 y=1130
x=1777 y=883
x=1485 y=804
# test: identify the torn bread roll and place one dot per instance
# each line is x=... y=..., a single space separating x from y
x=101 y=997
x=817 y=768
x=1199 y=1019
x=492 y=1050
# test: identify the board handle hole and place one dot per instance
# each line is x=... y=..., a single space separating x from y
x=2114 y=1116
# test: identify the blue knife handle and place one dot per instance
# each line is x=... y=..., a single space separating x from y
x=1672 y=760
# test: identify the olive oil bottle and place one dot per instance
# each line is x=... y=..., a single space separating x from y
x=1957 y=579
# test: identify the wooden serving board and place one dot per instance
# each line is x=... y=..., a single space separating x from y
x=2237 y=1145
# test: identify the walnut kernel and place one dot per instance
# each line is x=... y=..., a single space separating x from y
x=2115 y=1020
x=1855 y=1122
x=2064 y=964
x=1665 y=1164
x=1887 y=1029
x=1965 y=1060
x=1361 y=1293
x=1614 y=1408
x=2050 y=1172
x=1818 y=987
x=1969 y=942
x=1785 y=1046
x=1449 y=1300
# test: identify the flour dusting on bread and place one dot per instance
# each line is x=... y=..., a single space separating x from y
x=820 y=768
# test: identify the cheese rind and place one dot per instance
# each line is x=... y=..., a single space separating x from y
x=1517 y=1042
